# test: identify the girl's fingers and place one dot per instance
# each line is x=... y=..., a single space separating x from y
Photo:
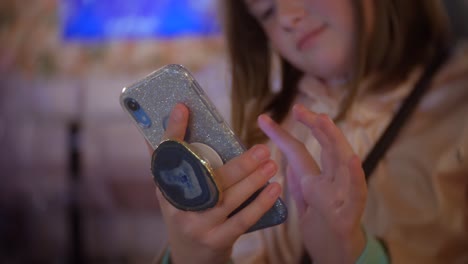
x=336 y=150
x=177 y=123
x=241 y=166
x=234 y=196
x=167 y=208
x=325 y=131
x=239 y=223
x=311 y=120
x=358 y=179
x=297 y=155
x=295 y=189
x=240 y=192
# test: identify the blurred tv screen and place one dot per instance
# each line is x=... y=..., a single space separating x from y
x=100 y=20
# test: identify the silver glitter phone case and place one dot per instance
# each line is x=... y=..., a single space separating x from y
x=149 y=102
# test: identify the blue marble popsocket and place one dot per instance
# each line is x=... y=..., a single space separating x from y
x=185 y=178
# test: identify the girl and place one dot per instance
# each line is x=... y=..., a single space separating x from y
x=345 y=69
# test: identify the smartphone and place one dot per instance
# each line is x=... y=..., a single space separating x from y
x=149 y=102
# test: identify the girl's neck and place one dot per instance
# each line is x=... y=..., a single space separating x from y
x=335 y=88
x=335 y=83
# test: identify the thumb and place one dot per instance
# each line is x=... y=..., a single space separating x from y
x=177 y=123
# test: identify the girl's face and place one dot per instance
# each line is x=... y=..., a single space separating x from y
x=316 y=36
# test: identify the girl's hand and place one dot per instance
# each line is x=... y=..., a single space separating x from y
x=208 y=236
x=330 y=200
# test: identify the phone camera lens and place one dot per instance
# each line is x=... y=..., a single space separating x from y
x=132 y=104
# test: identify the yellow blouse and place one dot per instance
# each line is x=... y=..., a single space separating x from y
x=418 y=195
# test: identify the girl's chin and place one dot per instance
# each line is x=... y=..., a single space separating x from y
x=333 y=68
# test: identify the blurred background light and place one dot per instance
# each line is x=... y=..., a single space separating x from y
x=87 y=20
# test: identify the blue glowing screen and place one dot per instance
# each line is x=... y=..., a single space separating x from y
x=136 y=19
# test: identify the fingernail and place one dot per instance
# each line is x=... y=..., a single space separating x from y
x=268 y=168
x=273 y=190
x=177 y=114
x=263 y=117
x=259 y=154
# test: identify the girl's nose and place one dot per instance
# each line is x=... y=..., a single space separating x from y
x=290 y=13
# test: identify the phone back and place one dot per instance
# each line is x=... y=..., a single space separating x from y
x=157 y=94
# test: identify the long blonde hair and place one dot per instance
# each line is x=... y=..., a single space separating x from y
x=406 y=33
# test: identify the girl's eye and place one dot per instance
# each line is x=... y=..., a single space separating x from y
x=267 y=13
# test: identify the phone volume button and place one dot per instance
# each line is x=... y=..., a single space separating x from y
x=217 y=116
x=198 y=90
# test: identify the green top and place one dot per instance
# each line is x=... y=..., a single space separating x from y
x=374 y=252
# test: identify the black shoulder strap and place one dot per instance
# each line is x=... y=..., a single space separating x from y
x=403 y=114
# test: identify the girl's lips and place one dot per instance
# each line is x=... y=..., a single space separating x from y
x=309 y=37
